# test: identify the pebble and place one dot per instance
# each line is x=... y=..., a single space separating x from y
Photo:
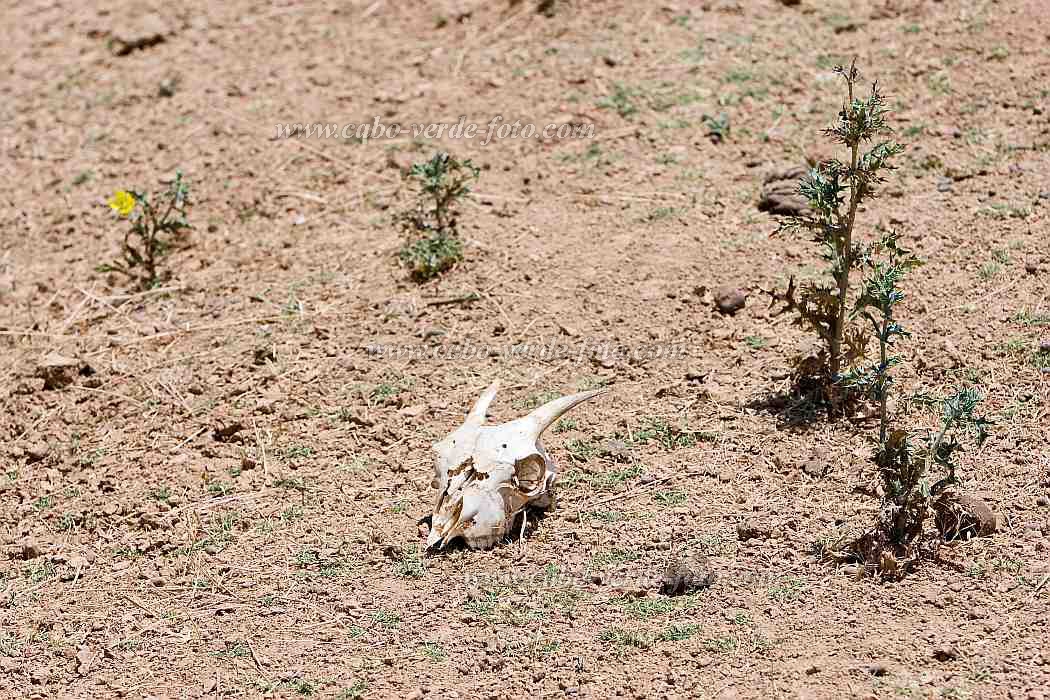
x=36 y=451
x=730 y=299
x=748 y=530
x=946 y=653
x=815 y=468
x=31 y=549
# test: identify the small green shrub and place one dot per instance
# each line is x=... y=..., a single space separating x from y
x=431 y=224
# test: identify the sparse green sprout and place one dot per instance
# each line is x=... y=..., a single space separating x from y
x=717 y=127
x=834 y=191
x=678 y=632
x=433 y=651
x=156 y=224
x=626 y=637
x=410 y=566
x=620 y=100
x=431 y=224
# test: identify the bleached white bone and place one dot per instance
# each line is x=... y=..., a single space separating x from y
x=486 y=475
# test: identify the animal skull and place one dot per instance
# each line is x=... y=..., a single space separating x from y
x=485 y=475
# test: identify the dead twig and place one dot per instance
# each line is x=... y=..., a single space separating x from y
x=463 y=299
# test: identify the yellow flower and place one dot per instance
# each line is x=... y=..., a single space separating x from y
x=122 y=202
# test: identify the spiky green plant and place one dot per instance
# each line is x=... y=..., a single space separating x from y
x=431 y=223
x=834 y=191
x=907 y=458
x=887 y=263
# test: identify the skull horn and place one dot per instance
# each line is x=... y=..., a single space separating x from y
x=477 y=414
x=546 y=414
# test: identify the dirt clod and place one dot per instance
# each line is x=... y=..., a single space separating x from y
x=961 y=516
x=815 y=468
x=750 y=530
x=730 y=299
x=686 y=574
x=780 y=194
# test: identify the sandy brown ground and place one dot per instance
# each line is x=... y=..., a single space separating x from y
x=146 y=554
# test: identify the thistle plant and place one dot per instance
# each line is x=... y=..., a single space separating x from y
x=155 y=223
x=907 y=459
x=431 y=224
x=887 y=263
x=834 y=191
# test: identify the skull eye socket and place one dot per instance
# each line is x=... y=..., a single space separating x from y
x=530 y=472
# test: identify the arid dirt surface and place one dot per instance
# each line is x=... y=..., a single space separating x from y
x=221 y=497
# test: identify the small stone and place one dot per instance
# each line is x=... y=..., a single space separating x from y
x=960 y=516
x=729 y=299
x=31 y=549
x=879 y=669
x=157 y=581
x=815 y=468
x=946 y=652
x=1044 y=345
x=750 y=530
x=1031 y=266
x=36 y=451
x=1043 y=501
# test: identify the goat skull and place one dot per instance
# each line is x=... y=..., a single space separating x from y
x=485 y=475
